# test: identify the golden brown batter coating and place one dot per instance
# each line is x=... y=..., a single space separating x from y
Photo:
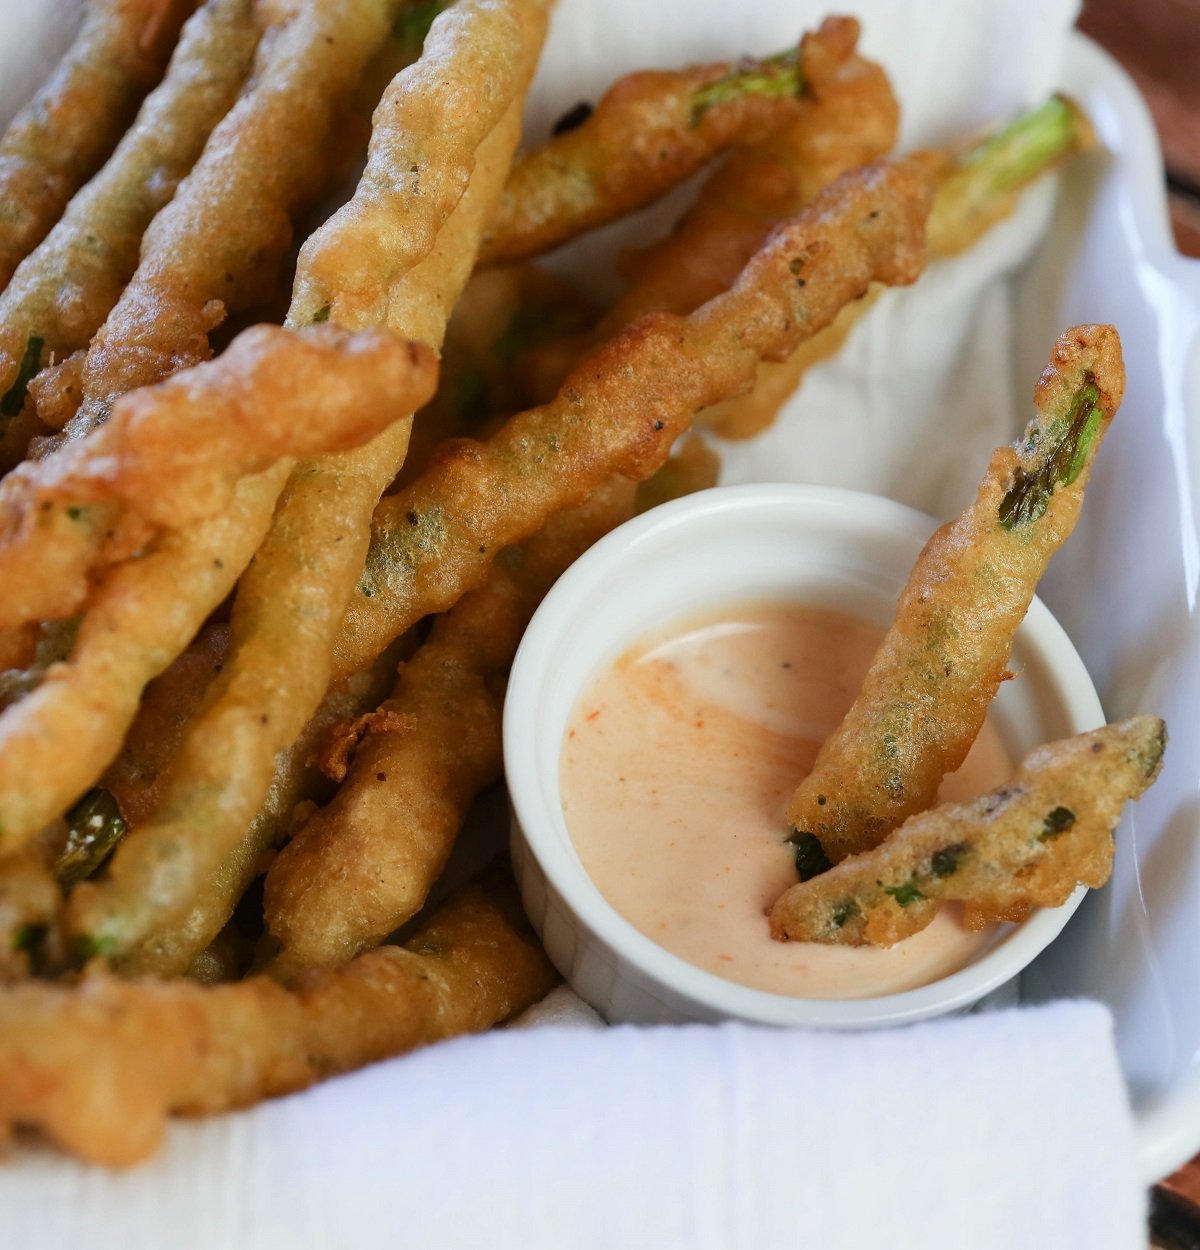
x=649 y=132
x=215 y=247
x=362 y=865
x=291 y=600
x=171 y=455
x=943 y=659
x=62 y=292
x=1027 y=844
x=848 y=118
x=622 y=409
x=64 y=134
x=977 y=187
x=99 y=1066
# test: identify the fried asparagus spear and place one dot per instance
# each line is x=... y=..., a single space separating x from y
x=64 y=289
x=61 y=736
x=64 y=134
x=622 y=409
x=171 y=455
x=208 y=251
x=981 y=184
x=364 y=864
x=478 y=61
x=214 y=249
x=977 y=188
x=274 y=386
x=295 y=783
x=928 y=689
x=849 y=117
x=98 y=1066
x=649 y=132
x=1027 y=844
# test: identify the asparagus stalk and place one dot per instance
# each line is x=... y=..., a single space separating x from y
x=981 y=185
x=649 y=132
x=1029 y=843
x=941 y=662
x=94 y=826
x=975 y=189
x=774 y=77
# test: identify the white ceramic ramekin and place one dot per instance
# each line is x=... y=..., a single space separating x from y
x=821 y=546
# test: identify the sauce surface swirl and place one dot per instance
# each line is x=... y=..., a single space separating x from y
x=677 y=765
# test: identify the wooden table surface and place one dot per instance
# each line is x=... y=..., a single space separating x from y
x=1158 y=42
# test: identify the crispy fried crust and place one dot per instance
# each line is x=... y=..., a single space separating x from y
x=60 y=737
x=99 y=1066
x=214 y=248
x=848 y=117
x=924 y=699
x=649 y=132
x=171 y=455
x=363 y=865
x=1025 y=845
x=63 y=135
x=976 y=188
x=621 y=410
x=294 y=785
x=66 y=287
x=425 y=132
x=292 y=598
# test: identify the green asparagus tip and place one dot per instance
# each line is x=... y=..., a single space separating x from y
x=1060 y=464
x=414 y=21
x=87 y=947
x=14 y=398
x=94 y=827
x=1024 y=148
x=811 y=859
x=775 y=76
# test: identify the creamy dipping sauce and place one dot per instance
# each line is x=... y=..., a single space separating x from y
x=677 y=767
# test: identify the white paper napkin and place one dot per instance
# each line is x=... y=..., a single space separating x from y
x=985 y=1133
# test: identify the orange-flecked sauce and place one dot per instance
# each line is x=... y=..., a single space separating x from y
x=677 y=767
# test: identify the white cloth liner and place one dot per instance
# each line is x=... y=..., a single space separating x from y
x=1007 y=1129
x=987 y=1132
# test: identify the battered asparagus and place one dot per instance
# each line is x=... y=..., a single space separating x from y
x=63 y=135
x=64 y=289
x=1027 y=844
x=977 y=188
x=648 y=133
x=930 y=683
x=622 y=409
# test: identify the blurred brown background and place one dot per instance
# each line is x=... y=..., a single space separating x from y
x=1158 y=42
